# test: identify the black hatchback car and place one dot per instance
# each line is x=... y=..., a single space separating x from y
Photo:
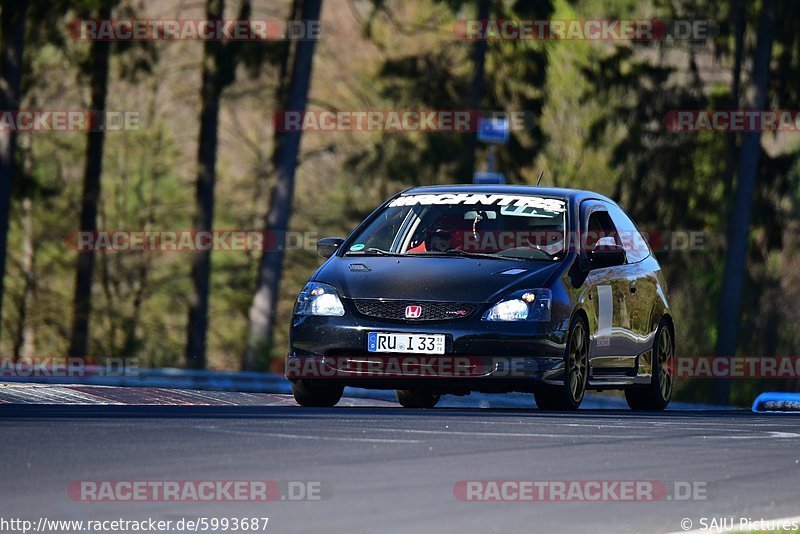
x=453 y=289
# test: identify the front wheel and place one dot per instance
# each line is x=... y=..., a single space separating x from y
x=569 y=395
x=312 y=393
x=414 y=398
x=657 y=394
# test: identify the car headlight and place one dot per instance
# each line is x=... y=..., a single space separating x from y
x=528 y=305
x=318 y=299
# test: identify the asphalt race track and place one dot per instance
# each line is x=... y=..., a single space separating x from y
x=382 y=468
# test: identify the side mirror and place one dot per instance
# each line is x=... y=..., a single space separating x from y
x=606 y=253
x=327 y=246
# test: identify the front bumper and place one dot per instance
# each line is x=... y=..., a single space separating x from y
x=479 y=355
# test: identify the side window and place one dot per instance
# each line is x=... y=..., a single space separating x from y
x=599 y=226
x=634 y=242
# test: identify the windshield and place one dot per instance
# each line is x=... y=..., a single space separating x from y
x=523 y=227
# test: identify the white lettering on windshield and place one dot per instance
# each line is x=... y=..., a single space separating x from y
x=469 y=199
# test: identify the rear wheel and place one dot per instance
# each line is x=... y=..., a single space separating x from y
x=415 y=398
x=657 y=394
x=569 y=395
x=311 y=393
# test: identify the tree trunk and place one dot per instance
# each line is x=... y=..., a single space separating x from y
x=476 y=95
x=282 y=93
x=12 y=40
x=721 y=387
x=23 y=339
x=101 y=51
x=731 y=148
x=263 y=307
x=739 y=226
x=197 y=327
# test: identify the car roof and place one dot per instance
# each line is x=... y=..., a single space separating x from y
x=556 y=192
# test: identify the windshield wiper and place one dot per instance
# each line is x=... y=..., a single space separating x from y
x=550 y=255
x=373 y=251
x=456 y=252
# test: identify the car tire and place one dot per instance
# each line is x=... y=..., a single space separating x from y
x=657 y=394
x=569 y=394
x=415 y=398
x=311 y=393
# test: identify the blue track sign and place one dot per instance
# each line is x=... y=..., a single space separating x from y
x=488 y=178
x=493 y=130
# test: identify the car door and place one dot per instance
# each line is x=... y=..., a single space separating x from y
x=612 y=343
x=642 y=282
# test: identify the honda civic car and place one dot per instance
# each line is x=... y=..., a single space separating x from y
x=458 y=289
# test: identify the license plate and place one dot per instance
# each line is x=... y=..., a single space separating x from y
x=406 y=343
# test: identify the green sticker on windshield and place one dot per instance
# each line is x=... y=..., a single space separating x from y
x=357 y=247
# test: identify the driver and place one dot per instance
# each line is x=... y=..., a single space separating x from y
x=549 y=239
x=438 y=241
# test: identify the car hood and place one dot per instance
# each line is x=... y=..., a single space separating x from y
x=437 y=278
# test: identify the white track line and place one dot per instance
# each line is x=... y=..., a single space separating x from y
x=333 y=438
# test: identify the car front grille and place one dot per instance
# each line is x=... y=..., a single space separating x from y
x=431 y=311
